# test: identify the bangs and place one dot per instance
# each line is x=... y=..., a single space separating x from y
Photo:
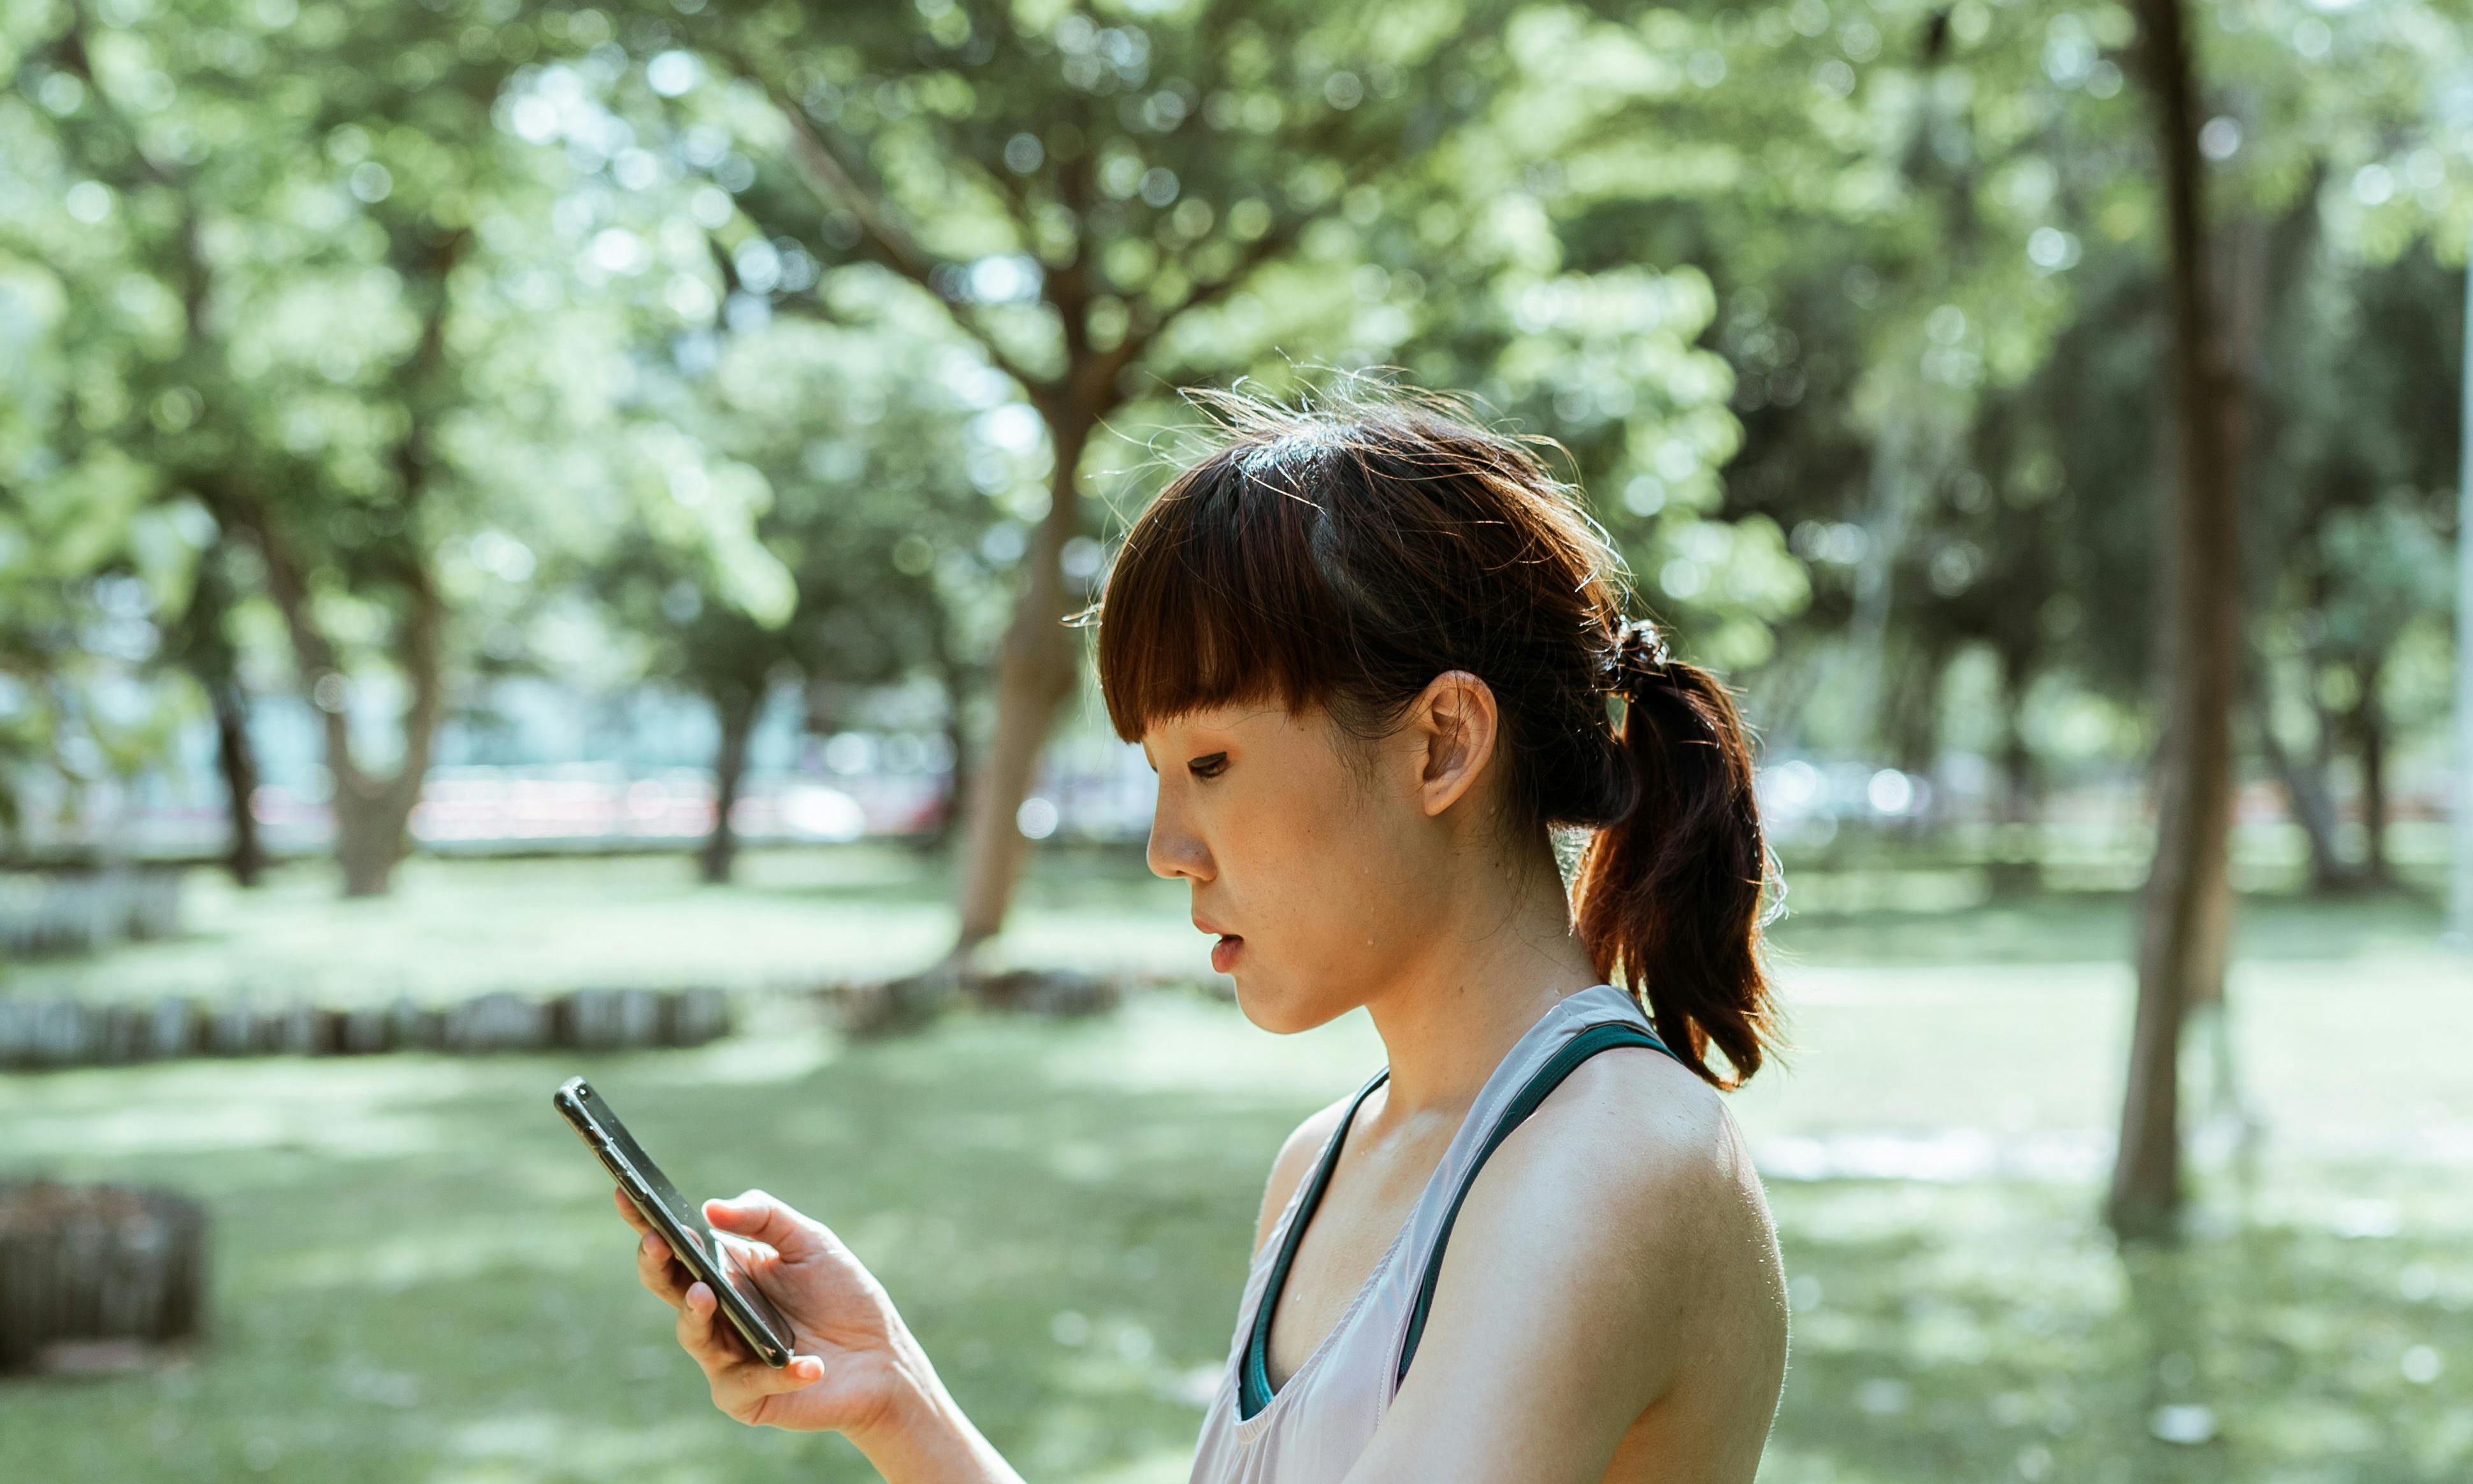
x=1216 y=597
x=1344 y=557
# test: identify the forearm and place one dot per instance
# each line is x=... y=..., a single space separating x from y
x=924 y=1437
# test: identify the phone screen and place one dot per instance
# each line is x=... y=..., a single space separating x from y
x=643 y=1179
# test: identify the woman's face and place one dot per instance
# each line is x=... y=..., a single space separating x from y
x=1311 y=853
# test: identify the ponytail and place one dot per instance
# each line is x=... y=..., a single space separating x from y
x=1669 y=893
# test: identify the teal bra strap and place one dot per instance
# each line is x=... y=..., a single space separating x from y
x=1579 y=1048
x=1254 y=1376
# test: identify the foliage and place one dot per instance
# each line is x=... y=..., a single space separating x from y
x=455 y=337
x=288 y=272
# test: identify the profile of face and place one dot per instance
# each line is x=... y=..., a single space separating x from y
x=1321 y=861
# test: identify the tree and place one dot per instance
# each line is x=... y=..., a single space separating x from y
x=2352 y=485
x=1891 y=208
x=1075 y=189
x=349 y=318
x=198 y=640
x=79 y=595
x=2187 y=907
x=851 y=416
x=138 y=136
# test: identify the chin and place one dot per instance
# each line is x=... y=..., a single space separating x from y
x=1286 y=1008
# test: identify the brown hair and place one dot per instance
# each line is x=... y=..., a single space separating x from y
x=1344 y=554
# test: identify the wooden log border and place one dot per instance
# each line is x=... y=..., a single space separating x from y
x=55 y=910
x=873 y=1007
x=57 y=1032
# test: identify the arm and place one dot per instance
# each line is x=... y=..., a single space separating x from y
x=1614 y=1263
x=857 y=1372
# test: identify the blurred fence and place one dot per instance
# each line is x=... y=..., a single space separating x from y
x=889 y=785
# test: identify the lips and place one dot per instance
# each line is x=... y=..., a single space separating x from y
x=1224 y=952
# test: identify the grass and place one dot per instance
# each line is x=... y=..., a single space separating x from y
x=416 y=1276
x=457 y=927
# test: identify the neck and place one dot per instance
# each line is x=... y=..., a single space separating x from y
x=1502 y=954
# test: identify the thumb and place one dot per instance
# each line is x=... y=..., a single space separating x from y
x=759 y=1216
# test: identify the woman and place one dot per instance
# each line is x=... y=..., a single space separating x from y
x=1375 y=653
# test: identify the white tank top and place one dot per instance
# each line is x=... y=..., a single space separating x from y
x=1312 y=1429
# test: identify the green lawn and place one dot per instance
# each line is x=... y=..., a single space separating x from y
x=457 y=927
x=416 y=1276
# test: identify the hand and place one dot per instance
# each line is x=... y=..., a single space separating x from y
x=854 y=1363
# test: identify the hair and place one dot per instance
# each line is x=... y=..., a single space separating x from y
x=1343 y=555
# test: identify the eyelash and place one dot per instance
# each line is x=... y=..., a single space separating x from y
x=1210 y=767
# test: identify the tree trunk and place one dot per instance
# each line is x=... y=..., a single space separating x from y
x=735 y=708
x=2313 y=804
x=2020 y=794
x=2267 y=266
x=1911 y=720
x=1885 y=528
x=373 y=815
x=2186 y=912
x=89 y=1272
x=2370 y=728
x=370 y=839
x=957 y=741
x=1035 y=672
x=236 y=759
x=2016 y=867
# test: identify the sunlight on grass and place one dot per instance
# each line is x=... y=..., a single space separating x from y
x=416 y=1276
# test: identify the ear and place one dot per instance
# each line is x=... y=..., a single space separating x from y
x=1455 y=724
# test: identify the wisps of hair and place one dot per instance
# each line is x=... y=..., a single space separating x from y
x=1344 y=552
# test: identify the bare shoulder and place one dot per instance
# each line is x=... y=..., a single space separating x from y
x=1615 y=1254
x=1633 y=1183
x=1649 y=1131
x=1295 y=1158
x=1611 y=1290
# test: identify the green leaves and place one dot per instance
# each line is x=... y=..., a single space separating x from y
x=785 y=304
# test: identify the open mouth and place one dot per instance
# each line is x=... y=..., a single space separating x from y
x=1224 y=952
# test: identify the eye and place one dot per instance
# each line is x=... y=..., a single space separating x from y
x=1210 y=766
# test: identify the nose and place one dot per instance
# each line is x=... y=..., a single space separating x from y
x=1175 y=849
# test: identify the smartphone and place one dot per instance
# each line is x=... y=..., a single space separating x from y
x=705 y=1251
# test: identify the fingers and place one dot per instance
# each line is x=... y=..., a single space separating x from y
x=627 y=1208
x=758 y=1215
x=705 y=1334
x=741 y=1382
x=660 y=1272
x=742 y=1390
x=654 y=1268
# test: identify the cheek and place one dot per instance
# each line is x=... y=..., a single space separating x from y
x=1329 y=890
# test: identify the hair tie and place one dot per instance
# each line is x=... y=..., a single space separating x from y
x=1639 y=657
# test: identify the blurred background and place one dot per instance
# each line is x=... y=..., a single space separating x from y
x=533 y=540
